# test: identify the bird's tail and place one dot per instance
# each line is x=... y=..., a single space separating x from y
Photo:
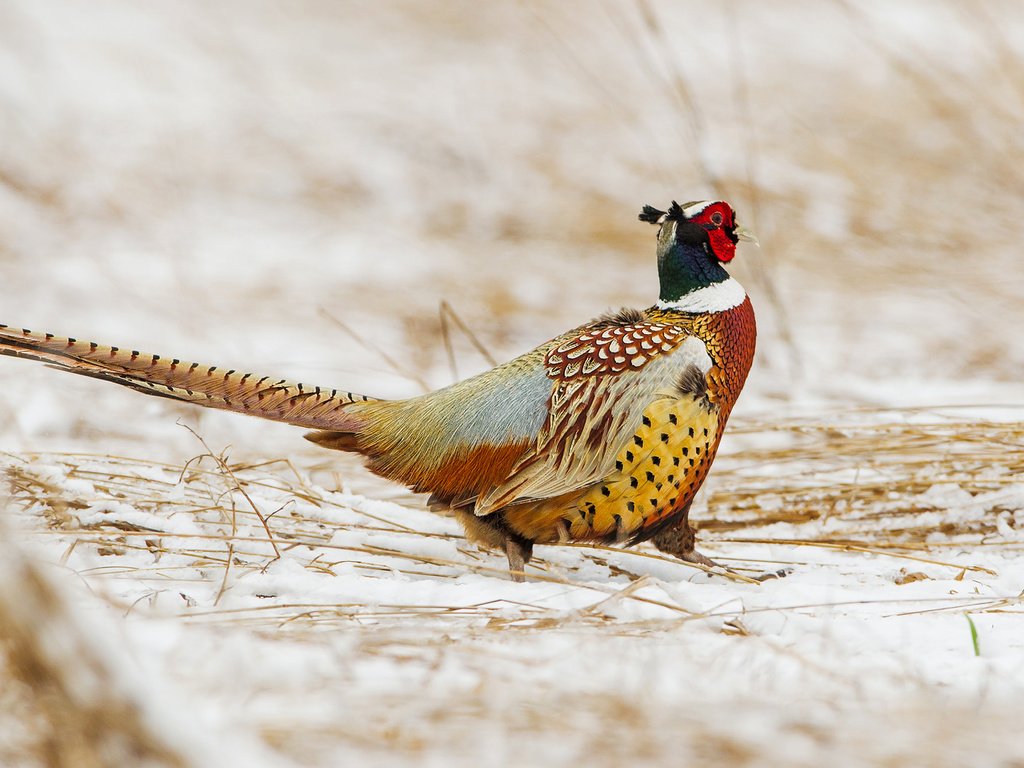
x=207 y=385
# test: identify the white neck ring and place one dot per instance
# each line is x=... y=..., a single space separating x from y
x=717 y=297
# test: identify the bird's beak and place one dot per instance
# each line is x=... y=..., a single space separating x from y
x=745 y=234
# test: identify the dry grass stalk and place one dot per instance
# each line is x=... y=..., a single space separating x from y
x=873 y=485
x=861 y=485
x=85 y=716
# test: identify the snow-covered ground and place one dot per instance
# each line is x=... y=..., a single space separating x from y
x=295 y=188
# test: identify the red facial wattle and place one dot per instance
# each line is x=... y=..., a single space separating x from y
x=722 y=245
x=717 y=219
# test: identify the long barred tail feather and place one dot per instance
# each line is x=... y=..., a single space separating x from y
x=206 y=385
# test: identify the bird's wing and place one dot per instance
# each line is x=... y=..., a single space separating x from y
x=656 y=473
x=603 y=379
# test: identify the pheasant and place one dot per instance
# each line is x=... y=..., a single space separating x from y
x=602 y=434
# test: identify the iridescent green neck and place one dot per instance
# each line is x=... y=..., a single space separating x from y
x=686 y=267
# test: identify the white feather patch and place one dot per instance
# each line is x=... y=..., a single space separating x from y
x=694 y=208
x=716 y=297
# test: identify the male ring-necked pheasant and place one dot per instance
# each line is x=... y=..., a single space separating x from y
x=604 y=433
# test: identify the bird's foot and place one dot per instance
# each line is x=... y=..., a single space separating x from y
x=693 y=556
x=769 y=575
x=680 y=541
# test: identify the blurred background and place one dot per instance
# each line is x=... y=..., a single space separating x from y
x=299 y=188
x=233 y=181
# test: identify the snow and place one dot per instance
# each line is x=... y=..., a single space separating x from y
x=228 y=182
x=378 y=618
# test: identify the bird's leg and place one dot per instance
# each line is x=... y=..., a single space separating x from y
x=519 y=551
x=490 y=532
x=680 y=540
x=563 y=531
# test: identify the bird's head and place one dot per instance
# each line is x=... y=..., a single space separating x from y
x=694 y=240
x=708 y=224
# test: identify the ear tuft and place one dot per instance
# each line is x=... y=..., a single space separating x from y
x=675 y=212
x=651 y=215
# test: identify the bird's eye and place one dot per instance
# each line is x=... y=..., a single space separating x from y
x=717 y=218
